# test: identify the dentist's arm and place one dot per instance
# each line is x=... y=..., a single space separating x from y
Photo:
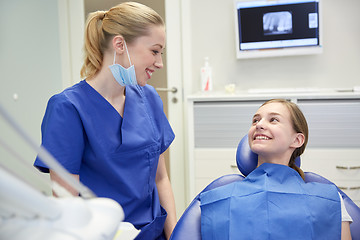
x=166 y=196
x=55 y=178
x=345 y=231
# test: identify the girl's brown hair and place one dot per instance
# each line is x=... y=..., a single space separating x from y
x=130 y=20
x=299 y=125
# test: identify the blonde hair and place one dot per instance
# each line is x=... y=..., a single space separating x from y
x=130 y=20
x=299 y=125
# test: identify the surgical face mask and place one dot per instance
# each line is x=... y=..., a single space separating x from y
x=124 y=76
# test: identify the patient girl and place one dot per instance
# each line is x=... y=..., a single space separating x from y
x=273 y=201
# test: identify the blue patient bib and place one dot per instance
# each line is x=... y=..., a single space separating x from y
x=272 y=202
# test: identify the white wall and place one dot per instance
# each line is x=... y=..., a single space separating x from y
x=40 y=54
x=212 y=34
x=30 y=67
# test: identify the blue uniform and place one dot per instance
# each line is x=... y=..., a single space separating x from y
x=116 y=157
x=271 y=203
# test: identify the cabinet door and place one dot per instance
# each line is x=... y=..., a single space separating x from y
x=212 y=163
x=334 y=147
x=333 y=123
x=222 y=124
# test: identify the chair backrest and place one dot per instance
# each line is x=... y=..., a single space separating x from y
x=188 y=226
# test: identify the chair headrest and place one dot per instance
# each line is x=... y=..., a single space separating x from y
x=247 y=160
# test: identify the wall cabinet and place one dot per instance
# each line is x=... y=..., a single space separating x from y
x=217 y=122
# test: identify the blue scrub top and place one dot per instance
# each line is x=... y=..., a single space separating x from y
x=116 y=157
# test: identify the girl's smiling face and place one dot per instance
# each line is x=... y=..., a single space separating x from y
x=145 y=53
x=272 y=135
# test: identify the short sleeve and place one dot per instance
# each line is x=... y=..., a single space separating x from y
x=168 y=134
x=62 y=134
x=166 y=130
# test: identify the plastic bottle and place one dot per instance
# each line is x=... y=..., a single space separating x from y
x=206 y=76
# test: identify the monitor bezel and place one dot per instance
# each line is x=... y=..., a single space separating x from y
x=277 y=52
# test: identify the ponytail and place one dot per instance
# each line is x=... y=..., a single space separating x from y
x=296 y=168
x=93 y=49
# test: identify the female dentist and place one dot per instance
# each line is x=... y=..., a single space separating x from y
x=109 y=130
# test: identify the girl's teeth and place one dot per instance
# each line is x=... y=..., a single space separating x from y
x=262 y=138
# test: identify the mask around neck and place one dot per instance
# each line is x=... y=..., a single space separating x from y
x=124 y=76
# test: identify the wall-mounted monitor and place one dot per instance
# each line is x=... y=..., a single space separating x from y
x=277 y=28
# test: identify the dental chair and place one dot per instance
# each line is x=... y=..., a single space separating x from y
x=188 y=226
